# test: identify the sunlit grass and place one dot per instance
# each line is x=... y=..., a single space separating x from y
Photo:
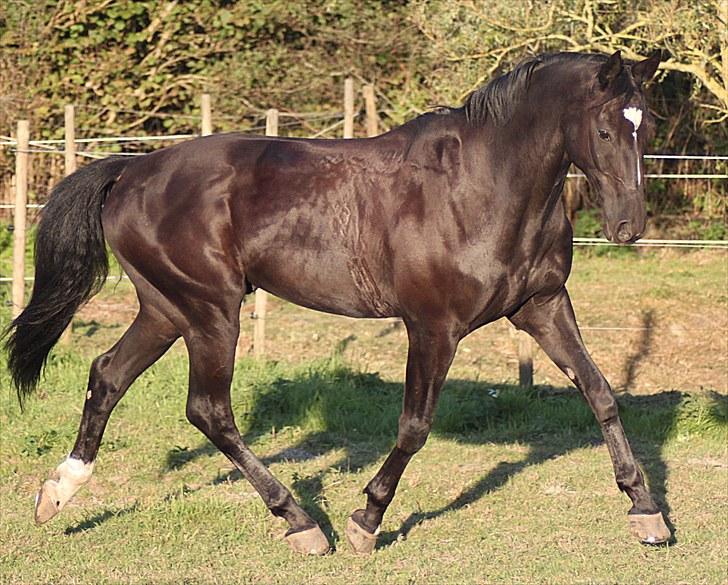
x=514 y=485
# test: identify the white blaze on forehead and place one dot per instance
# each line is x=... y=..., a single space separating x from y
x=634 y=115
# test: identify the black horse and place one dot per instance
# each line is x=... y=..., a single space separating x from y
x=450 y=221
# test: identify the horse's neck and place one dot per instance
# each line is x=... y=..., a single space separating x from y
x=516 y=172
x=526 y=155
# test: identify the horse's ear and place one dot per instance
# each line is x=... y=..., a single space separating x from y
x=645 y=70
x=610 y=70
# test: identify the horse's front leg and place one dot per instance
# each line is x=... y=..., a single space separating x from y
x=552 y=323
x=431 y=351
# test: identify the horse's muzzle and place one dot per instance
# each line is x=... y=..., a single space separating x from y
x=625 y=233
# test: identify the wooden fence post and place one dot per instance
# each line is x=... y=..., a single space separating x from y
x=21 y=200
x=69 y=128
x=206 y=112
x=348 y=108
x=370 y=104
x=261 y=296
x=69 y=135
x=525 y=359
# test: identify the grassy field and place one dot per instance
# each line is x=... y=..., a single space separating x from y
x=515 y=486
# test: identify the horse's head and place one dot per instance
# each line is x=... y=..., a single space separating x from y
x=606 y=139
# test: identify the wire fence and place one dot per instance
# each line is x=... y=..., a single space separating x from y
x=312 y=316
x=10 y=141
x=657 y=243
x=45 y=147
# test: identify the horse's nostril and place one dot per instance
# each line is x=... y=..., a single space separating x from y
x=624 y=231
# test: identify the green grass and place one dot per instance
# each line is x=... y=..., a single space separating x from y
x=514 y=486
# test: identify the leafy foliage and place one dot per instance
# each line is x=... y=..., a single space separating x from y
x=140 y=65
x=144 y=63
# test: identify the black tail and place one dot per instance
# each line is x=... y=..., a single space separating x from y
x=70 y=267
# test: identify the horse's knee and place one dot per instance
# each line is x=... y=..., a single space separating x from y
x=604 y=404
x=413 y=433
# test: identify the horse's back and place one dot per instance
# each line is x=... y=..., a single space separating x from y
x=312 y=220
x=284 y=214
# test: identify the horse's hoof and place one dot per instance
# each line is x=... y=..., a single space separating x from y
x=46 y=502
x=360 y=540
x=649 y=528
x=308 y=542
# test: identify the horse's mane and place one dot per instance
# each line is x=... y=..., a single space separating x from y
x=498 y=99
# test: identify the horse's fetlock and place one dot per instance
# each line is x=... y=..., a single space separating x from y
x=65 y=481
x=377 y=493
x=280 y=502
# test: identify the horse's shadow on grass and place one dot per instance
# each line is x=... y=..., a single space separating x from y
x=91 y=327
x=358 y=413
x=98 y=519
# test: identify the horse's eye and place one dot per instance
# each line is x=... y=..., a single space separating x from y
x=604 y=135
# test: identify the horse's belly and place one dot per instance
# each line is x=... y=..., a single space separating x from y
x=325 y=281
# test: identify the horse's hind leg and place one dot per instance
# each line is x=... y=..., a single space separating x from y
x=148 y=337
x=212 y=356
x=553 y=324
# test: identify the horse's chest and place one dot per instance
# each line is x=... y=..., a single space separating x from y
x=548 y=272
x=504 y=287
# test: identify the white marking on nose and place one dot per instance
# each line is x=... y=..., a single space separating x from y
x=634 y=115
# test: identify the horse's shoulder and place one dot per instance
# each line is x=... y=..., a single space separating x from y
x=438 y=152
